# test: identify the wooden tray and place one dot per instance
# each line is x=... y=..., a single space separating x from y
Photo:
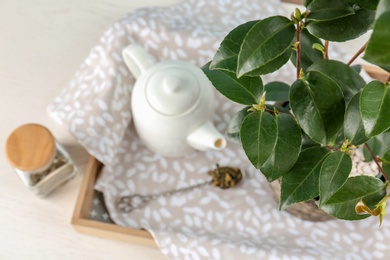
x=83 y=224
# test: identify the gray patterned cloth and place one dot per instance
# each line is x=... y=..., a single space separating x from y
x=99 y=210
x=205 y=223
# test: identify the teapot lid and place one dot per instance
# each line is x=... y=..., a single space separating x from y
x=173 y=89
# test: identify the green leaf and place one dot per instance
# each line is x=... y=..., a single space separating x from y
x=308 y=54
x=386 y=162
x=307 y=142
x=353 y=124
x=246 y=90
x=345 y=28
x=258 y=137
x=277 y=91
x=386 y=168
x=266 y=41
x=324 y=10
x=226 y=56
x=334 y=173
x=338 y=140
x=287 y=148
x=349 y=81
x=386 y=156
x=319 y=107
x=378 y=145
x=374 y=146
x=272 y=65
x=233 y=131
x=301 y=183
x=357 y=68
x=378 y=47
x=375 y=108
x=342 y=204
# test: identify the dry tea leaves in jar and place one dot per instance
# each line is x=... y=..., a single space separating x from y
x=40 y=161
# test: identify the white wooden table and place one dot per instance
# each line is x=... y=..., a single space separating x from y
x=42 y=44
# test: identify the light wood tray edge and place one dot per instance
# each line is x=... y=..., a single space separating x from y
x=81 y=222
x=376 y=72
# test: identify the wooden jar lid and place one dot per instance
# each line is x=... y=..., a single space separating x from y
x=30 y=147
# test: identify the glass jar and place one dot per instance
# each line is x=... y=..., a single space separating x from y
x=39 y=160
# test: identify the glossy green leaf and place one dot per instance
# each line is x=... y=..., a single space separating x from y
x=386 y=162
x=258 y=137
x=349 y=81
x=319 y=106
x=375 y=108
x=345 y=28
x=378 y=47
x=386 y=168
x=246 y=90
x=342 y=204
x=301 y=182
x=272 y=65
x=265 y=42
x=226 y=56
x=338 y=140
x=378 y=145
x=324 y=10
x=307 y=142
x=287 y=148
x=357 y=68
x=308 y=54
x=233 y=131
x=277 y=91
x=374 y=146
x=386 y=156
x=353 y=124
x=334 y=173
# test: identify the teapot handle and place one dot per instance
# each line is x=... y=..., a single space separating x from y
x=137 y=59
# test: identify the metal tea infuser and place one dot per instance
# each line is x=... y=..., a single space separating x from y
x=222 y=177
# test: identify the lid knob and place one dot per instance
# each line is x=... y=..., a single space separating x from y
x=172 y=84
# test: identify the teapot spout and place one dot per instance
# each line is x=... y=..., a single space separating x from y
x=206 y=137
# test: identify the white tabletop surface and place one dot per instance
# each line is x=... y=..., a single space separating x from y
x=42 y=44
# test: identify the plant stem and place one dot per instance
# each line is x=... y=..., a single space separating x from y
x=377 y=162
x=298 y=58
x=360 y=51
x=326 y=50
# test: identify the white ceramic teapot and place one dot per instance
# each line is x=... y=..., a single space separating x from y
x=172 y=105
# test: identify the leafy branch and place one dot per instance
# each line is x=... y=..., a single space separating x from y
x=373 y=156
x=329 y=101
